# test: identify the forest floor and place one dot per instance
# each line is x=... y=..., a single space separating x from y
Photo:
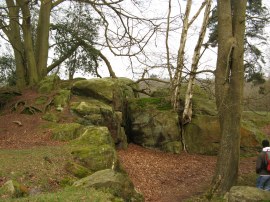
x=161 y=177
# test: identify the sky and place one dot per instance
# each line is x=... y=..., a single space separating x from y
x=208 y=61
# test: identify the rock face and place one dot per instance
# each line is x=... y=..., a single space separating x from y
x=102 y=102
x=203 y=135
x=247 y=194
x=152 y=126
x=94 y=149
x=116 y=183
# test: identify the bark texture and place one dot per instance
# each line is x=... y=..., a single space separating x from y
x=229 y=87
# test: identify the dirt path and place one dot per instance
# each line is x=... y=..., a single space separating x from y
x=163 y=177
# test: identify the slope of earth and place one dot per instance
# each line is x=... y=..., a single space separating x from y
x=164 y=177
x=19 y=130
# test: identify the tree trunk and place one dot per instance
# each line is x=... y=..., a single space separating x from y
x=180 y=58
x=229 y=87
x=42 y=40
x=167 y=40
x=13 y=34
x=195 y=60
x=28 y=43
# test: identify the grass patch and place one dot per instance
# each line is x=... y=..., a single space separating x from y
x=40 y=168
x=70 y=194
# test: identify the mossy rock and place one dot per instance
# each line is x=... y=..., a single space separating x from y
x=96 y=157
x=77 y=170
x=52 y=117
x=90 y=106
x=94 y=149
x=203 y=135
x=121 y=141
x=14 y=189
x=114 y=182
x=66 y=131
x=62 y=98
x=101 y=89
x=152 y=127
x=94 y=135
x=109 y=90
x=155 y=103
x=172 y=147
x=48 y=84
x=71 y=194
x=245 y=193
x=67 y=84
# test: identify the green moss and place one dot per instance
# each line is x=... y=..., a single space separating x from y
x=94 y=135
x=41 y=100
x=151 y=102
x=90 y=106
x=116 y=183
x=255 y=122
x=65 y=132
x=30 y=166
x=48 y=84
x=95 y=88
x=96 y=157
x=62 y=98
x=50 y=117
x=173 y=147
x=77 y=170
x=70 y=194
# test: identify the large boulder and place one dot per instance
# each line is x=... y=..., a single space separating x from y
x=116 y=183
x=247 y=194
x=103 y=102
x=109 y=90
x=94 y=149
x=65 y=131
x=92 y=111
x=203 y=135
x=152 y=125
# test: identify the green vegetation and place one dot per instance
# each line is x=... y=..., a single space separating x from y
x=40 y=168
x=152 y=102
x=70 y=194
x=255 y=122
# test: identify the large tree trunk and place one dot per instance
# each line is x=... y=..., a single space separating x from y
x=42 y=40
x=229 y=87
x=28 y=42
x=13 y=34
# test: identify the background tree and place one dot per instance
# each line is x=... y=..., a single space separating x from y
x=26 y=25
x=256 y=20
x=7 y=70
x=71 y=31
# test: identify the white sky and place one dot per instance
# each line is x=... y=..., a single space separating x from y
x=208 y=61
